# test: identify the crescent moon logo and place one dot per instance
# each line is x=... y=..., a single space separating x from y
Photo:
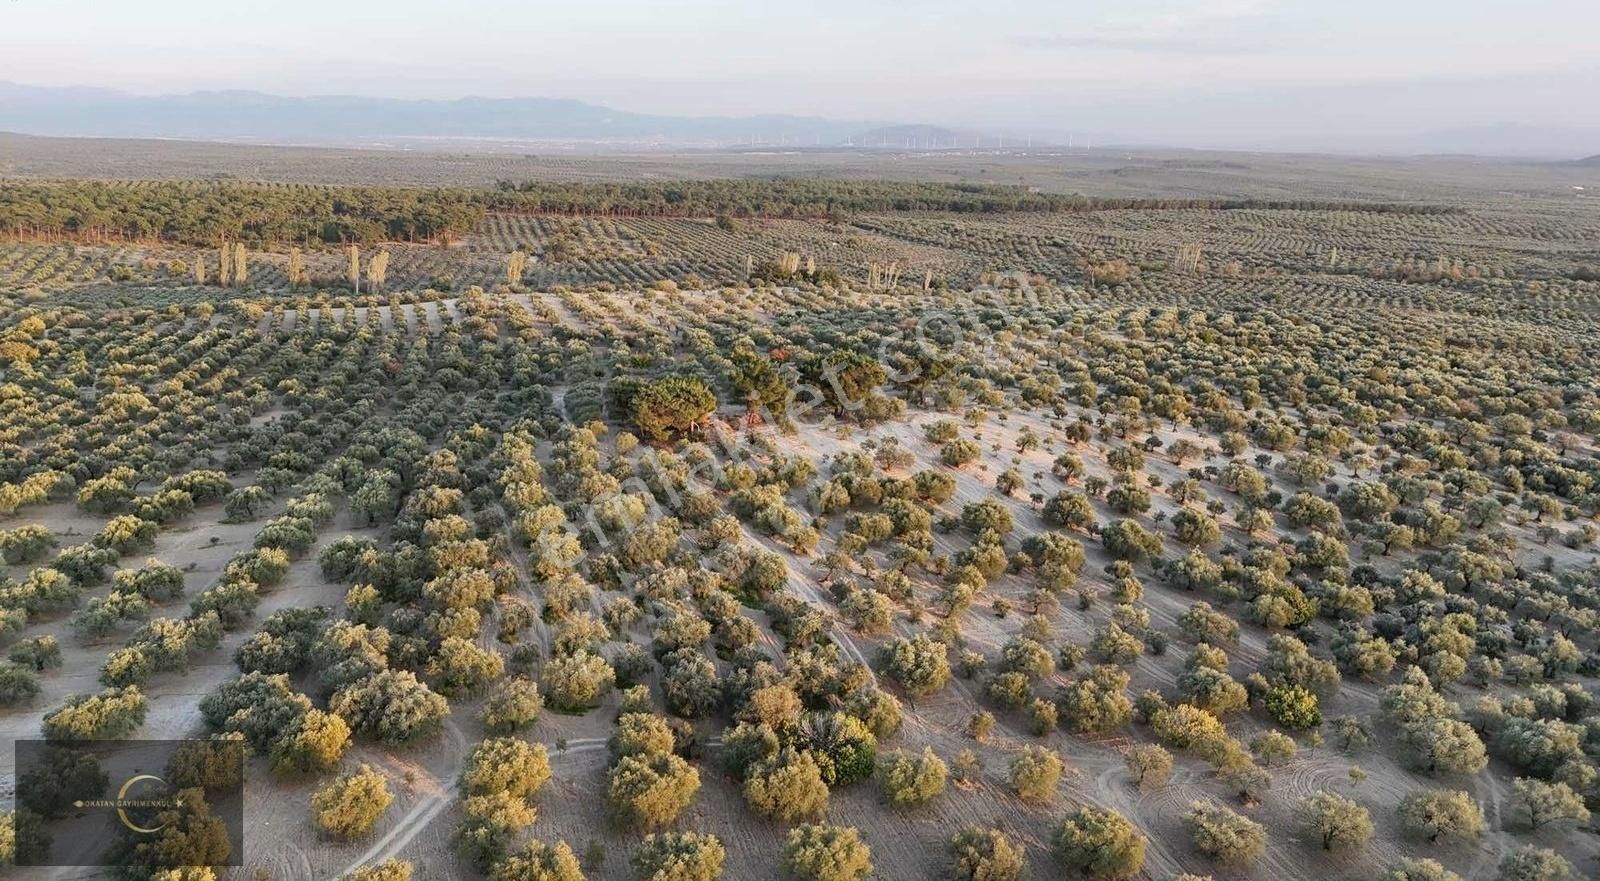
x=122 y=795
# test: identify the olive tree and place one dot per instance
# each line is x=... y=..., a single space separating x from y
x=983 y=854
x=1419 y=870
x=679 y=856
x=350 y=806
x=538 y=861
x=391 y=706
x=575 y=682
x=1149 y=765
x=919 y=664
x=1101 y=844
x=641 y=734
x=1548 y=802
x=907 y=780
x=1436 y=814
x=649 y=791
x=111 y=714
x=17 y=684
x=1224 y=835
x=827 y=853
x=389 y=870
x=514 y=705
x=25 y=544
x=1097 y=702
x=1034 y=774
x=1334 y=820
x=505 y=764
x=787 y=786
x=1531 y=863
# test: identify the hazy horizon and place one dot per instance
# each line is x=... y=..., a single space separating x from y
x=1238 y=74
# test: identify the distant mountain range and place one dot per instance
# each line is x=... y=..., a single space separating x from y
x=1506 y=139
x=526 y=124
x=255 y=116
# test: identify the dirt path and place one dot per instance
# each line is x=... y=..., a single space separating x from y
x=809 y=590
x=425 y=810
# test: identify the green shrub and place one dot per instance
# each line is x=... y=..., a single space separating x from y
x=351 y=805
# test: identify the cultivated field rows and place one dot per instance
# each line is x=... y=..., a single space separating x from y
x=600 y=556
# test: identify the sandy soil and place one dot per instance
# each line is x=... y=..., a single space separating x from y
x=906 y=844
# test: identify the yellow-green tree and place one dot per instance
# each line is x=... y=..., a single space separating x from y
x=353 y=271
x=516 y=264
x=297 y=268
x=349 y=806
x=377 y=271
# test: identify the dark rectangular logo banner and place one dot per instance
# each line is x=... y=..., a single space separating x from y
x=159 y=804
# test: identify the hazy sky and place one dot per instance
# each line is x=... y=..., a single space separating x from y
x=1212 y=70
